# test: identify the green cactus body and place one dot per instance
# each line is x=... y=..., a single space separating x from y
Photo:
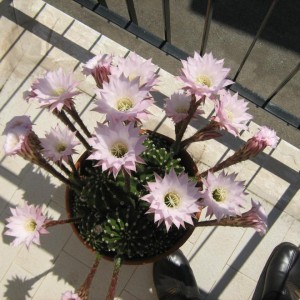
x=115 y=222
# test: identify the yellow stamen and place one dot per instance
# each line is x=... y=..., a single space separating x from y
x=204 y=80
x=30 y=225
x=124 y=104
x=119 y=149
x=60 y=147
x=172 y=200
x=58 y=92
x=220 y=194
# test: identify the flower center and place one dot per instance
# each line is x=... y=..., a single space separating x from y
x=229 y=115
x=220 y=194
x=60 y=147
x=58 y=92
x=172 y=200
x=181 y=109
x=204 y=80
x=124 y=104
x=119 y=149
x=30 y=225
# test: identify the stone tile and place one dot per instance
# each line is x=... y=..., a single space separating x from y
x=8 y=253
x=76 y=249
x=293 y=234
x=208 y=259
x=38 y=259
x=168 y=84
x=9 y=35
x=67 y=275
x=293 y=206
x=58 y=58
x=126 y=296
x=9 y=184
x=102 y=279
x=54 y=19
x=288 y=155
x=106 y=45
x=141 y=283
x=240 y=287
x=30 y=7
x=82 y=35
x=19 y=284
x=252 y=252
x=273 y=189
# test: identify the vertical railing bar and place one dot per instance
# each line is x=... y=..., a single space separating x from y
x=208 y=17
x=101 y=2
x=167 y=20
x=282 y=84
x=131 y=11
x=262 y=26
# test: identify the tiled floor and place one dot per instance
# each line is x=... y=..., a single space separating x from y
x=226 y=262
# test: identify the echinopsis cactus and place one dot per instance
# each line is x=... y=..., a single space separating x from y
x=132 y=194
x=115 y=223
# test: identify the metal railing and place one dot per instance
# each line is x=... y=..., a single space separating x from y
x=130 y=24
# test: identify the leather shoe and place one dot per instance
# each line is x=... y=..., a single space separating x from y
x=174 y=278
x=280 y=278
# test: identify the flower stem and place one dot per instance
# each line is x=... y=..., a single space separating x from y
x=114 y=279
x=74 y=114
x=83 y=291
x=206 y=133
x=61 y=222
x=62 y=116
x=182 y=126
x=63 y=168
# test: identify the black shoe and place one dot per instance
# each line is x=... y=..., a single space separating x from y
x=174 y=278
x=280 y=278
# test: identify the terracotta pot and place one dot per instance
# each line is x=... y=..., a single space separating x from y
x=191 y=169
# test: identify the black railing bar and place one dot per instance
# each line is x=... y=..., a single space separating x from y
x=282 y=84
x=283 y=115
x=103 y=3
x=167 y=19
x=111 y=16
x=131 y=11
x=208 y=18
x=87 y=4
x=262 y=26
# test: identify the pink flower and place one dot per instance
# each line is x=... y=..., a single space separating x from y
x=59 y=144
x=173 y=199
x=231 y=113
x=70 y=296
x=204 y=76
x=265 y=137
x=123 y=100
x=177 y=107
x=223 y=196
x=256 y=217
x=134 y=66
x=26 y=225
x=99 y=67
x=55 y=90
x=117 y=147
x=16 y=131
